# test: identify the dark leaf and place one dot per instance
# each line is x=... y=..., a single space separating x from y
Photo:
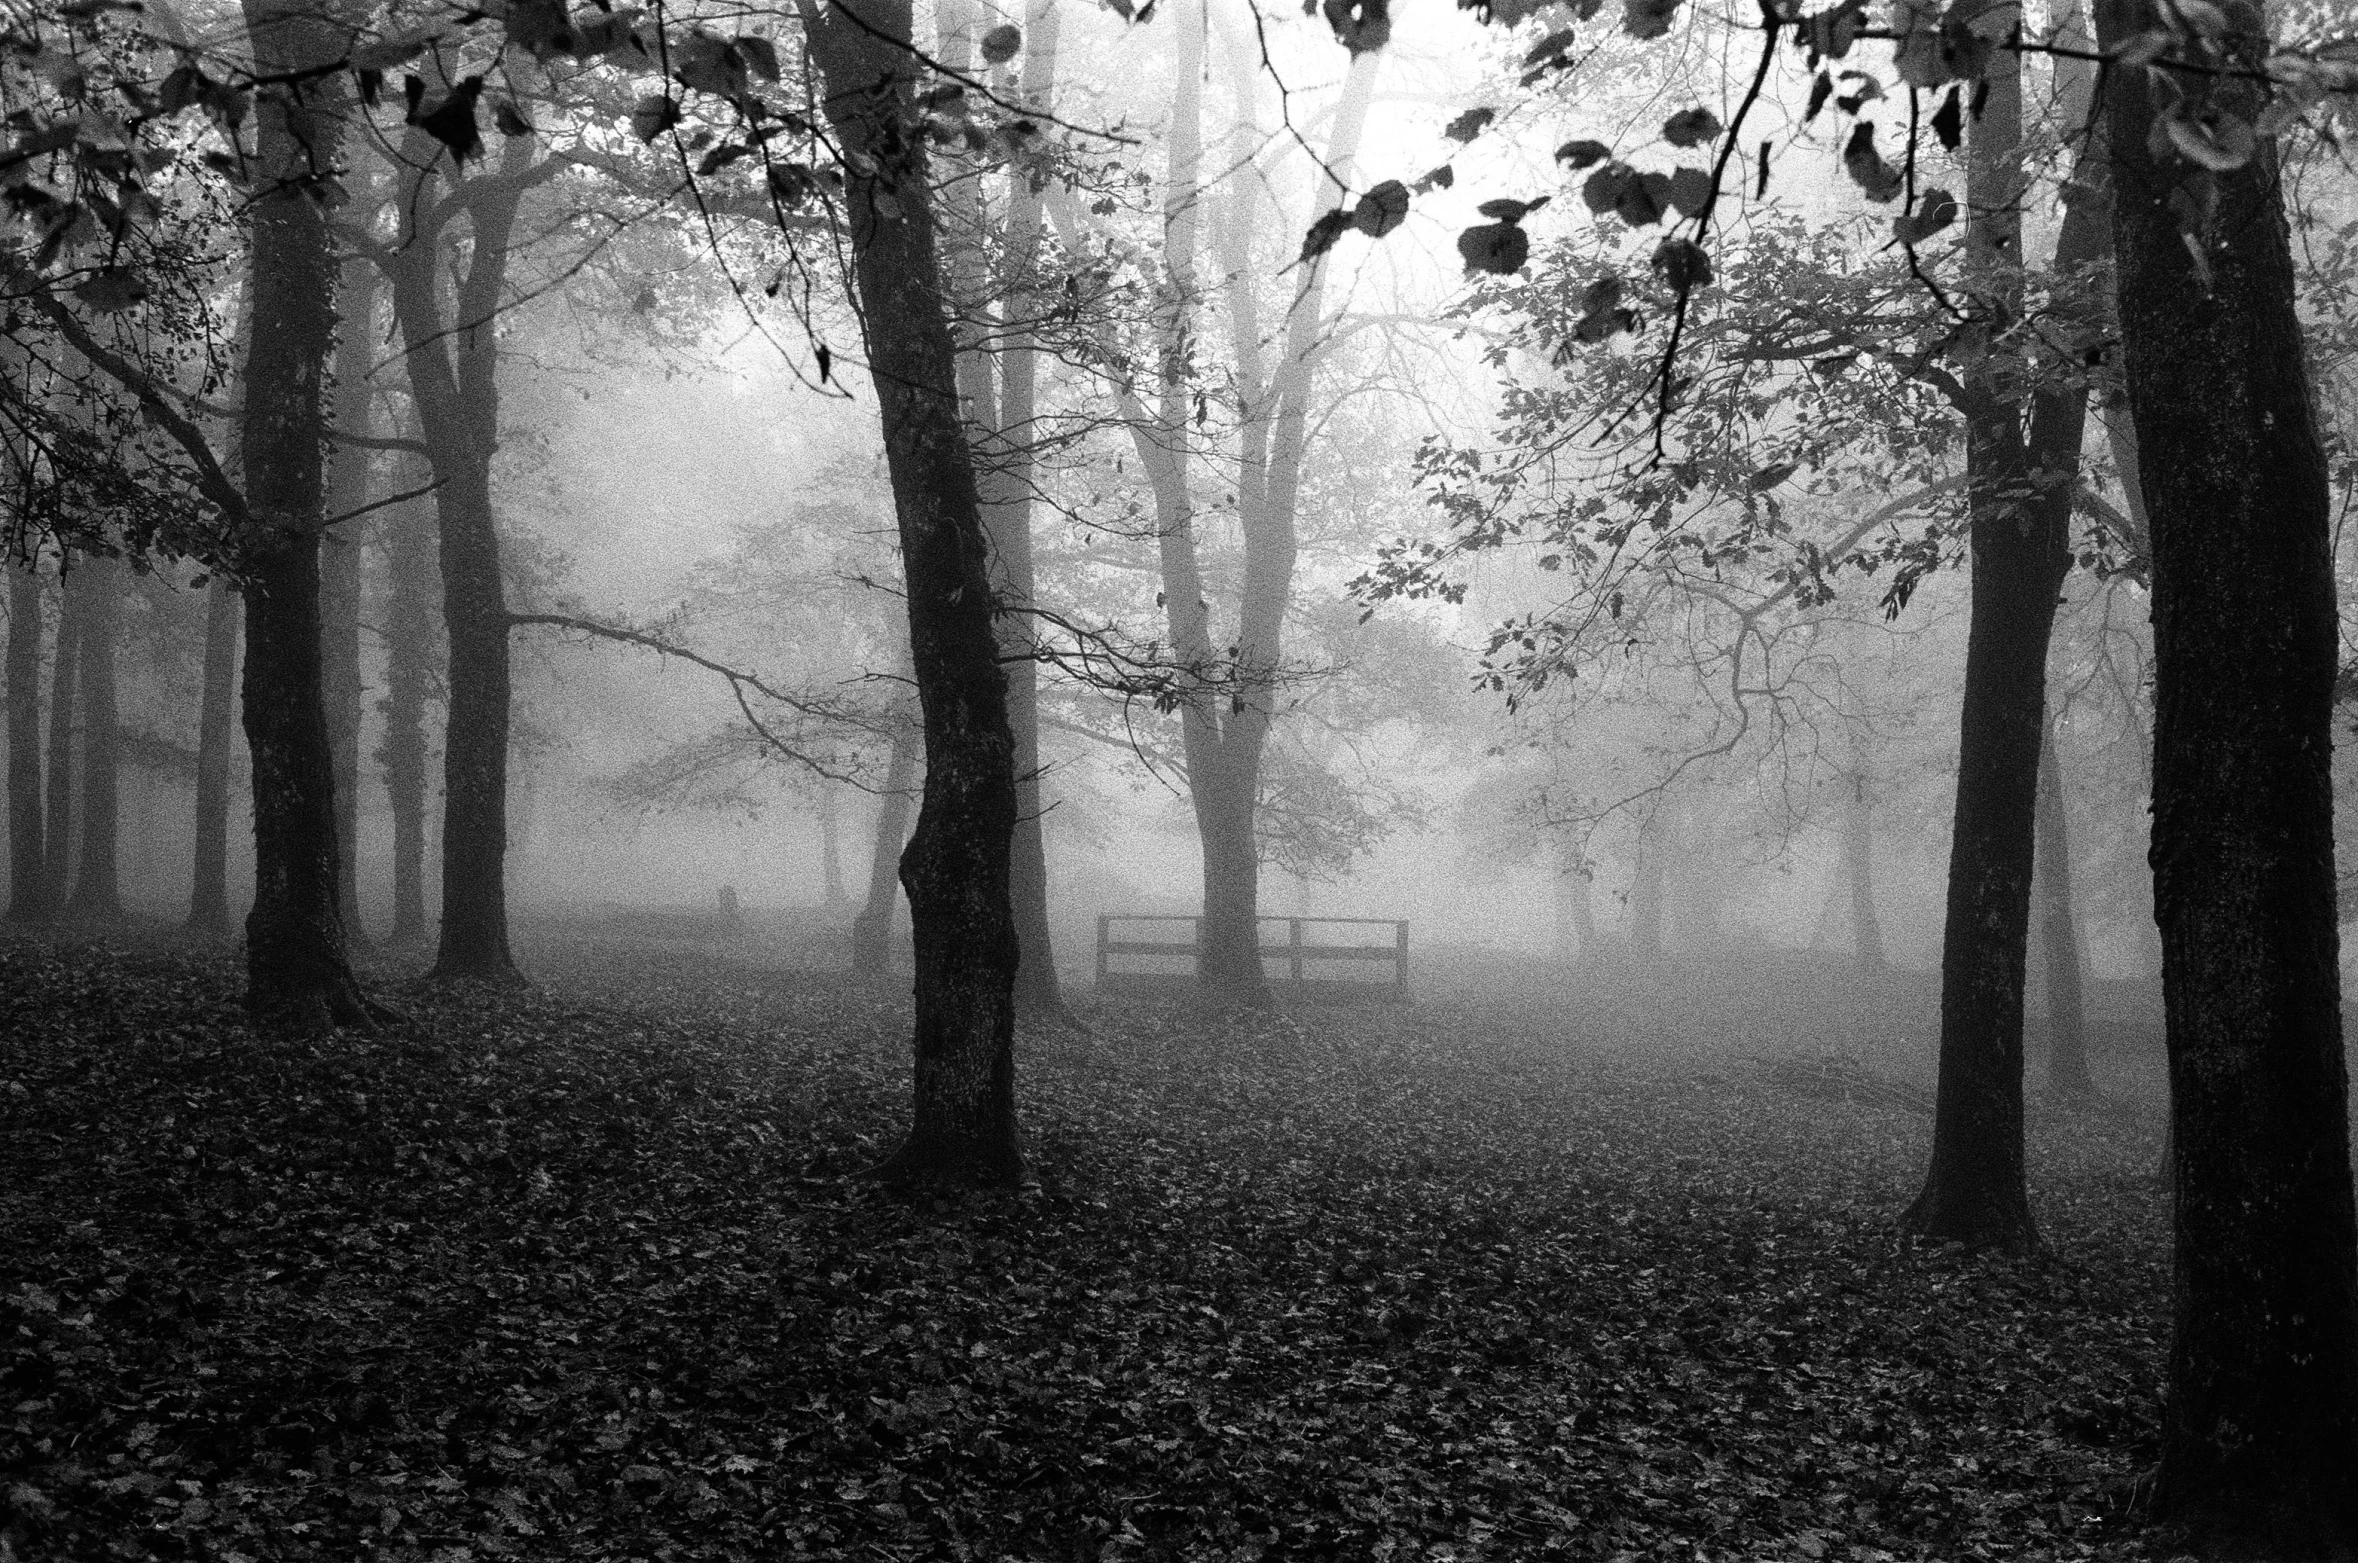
x=1866 y=167
x=1648 y=18
x=1499 y=248
x=760 y=56
x=509 y=121
x=1360 y=25
x=540 y=27
x=1819 y=91
x=1323 y=233
x=1382 y=209
x=655 y=114
x=1002 y=43
x=110 y=290
x=1469 y=124
x=1507 y=210
x=1948 y=121
x=1682 y=264
x=452 y=121
x=1690 y=190
x=1935 y=210
x=1435 y=179
x=1691 y=127
x=1581 y=154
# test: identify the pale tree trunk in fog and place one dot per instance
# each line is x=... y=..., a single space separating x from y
x=208 y=902
x=2067 y=1043
x=1646 y=890
x=955 y=868
x=1698 y=882
x=27 y=873
x=1858 y=872
x=1576 y=923
x=871 y=934
x=339 y=560
x=410 y=672
x=298 y=971
x=2019 y=503
x=57 y=869
x=998 y=386
x=833 y=896
x=97 y=894
x=453 y=370
x=2260 y=1410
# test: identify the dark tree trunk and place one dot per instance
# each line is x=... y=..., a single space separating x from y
x=1858 y=867
x=956 y=867
x=339 y=570
x=98 y=894
x=2067 y=1032
x=208 y=902
x=2018 y=501
x=27 y=872
x=57 y=869
x=296 y=966
x=409 y=676
x=454 y=380
x=1223 y=787
x=871 y=935
x=2260 y=1417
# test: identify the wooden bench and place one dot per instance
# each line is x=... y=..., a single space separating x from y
x=1285 y=965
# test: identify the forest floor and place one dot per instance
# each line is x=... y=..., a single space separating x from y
x=1529 y=1269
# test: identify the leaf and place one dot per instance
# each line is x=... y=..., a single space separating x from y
x=759 y=54
x=1469 y=124
x=1691 y=127
x=826 y=362
x=1690 y=190
x=509 y=120
x=111 y=290
x=2221 y=143
x=1602 y=189
x=383 y=54
x=1360 y=25
x=1553 y=44
x=1682 y=264
x=721 y=157
x=704 y=61
x=1382 y=209
x=1829 y=34
x=540 y=27
x=1323 y=233
x=1581 y=154
x=452 y=121
x=1819 y=91
x=1002 y=43
x=1770 y=476
x=594 y=37
x=1644 y=200
x=1507 y=210
x=1948 y=121
x=1935 y=210
x=1435 y=179
x=1866 y=167
x=1648 y=18
x=654 y=114
x=1497 y=248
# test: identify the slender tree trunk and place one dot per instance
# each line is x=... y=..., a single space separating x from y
x=2260 y=1418
x=1858 y=866
x=871 y=936
x=409 y=675
x=98 y=896
x=1575 y=919
x=297 y=969
x=339 y=565
x=1646 y=891
x=27 y=872
x=57 y=872
x=2019 y=531
x=955 y=870
x=833 y=896
x=2067 y=1037
x=453 y=376
x=208 y=902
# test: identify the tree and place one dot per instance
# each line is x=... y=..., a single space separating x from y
x=208 y=905
x=955 y=869
x=27 y=877
x=2260 y=1422
x=97 y=892
x=2067 y=1038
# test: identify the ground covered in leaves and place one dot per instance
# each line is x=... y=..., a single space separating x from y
x=582 y=1272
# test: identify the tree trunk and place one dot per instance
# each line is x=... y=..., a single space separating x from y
x=871 y=936
x=2018 y=503
x=956 y=867
x=409 y=675
x=296 y=966
x=1858 y=866
x=339 y=566
x=208 y=901
x=2067 y=1036
x=1646 y=891
x=2260 y=1419
x=98 y=894
x=1223 y=787
x=453 y=377
x=1575 y=920
x=57 y=869
x=833 y=897
x=27 y=872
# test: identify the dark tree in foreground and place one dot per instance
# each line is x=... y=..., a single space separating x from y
x=27 y=879
x=409 y=675
x=97 y=895
x=2260 y=1423
x=57 y=830
x=956 y=867
x=297 y=967
x=208 y=901
x=871 y=932
x=2067 y=1024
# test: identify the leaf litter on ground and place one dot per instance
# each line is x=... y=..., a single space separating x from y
x=586 y=1271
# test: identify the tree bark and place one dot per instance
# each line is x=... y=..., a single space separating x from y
x=57 y=869
x=2018 y=502
x=1576 y=924
x=453 y=376
x=833 y=897
x=1646 y=890
x=208 y=901
x=955 y=869
x=2067 y=1032
x=1858 y=866
x=409 y=676
x=27 y=872
x=297 y=970
x=2260 y=1418
x=871 y=934
x=98 y=893
x=339 y=565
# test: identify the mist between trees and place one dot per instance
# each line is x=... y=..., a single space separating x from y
x=1664 y=489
